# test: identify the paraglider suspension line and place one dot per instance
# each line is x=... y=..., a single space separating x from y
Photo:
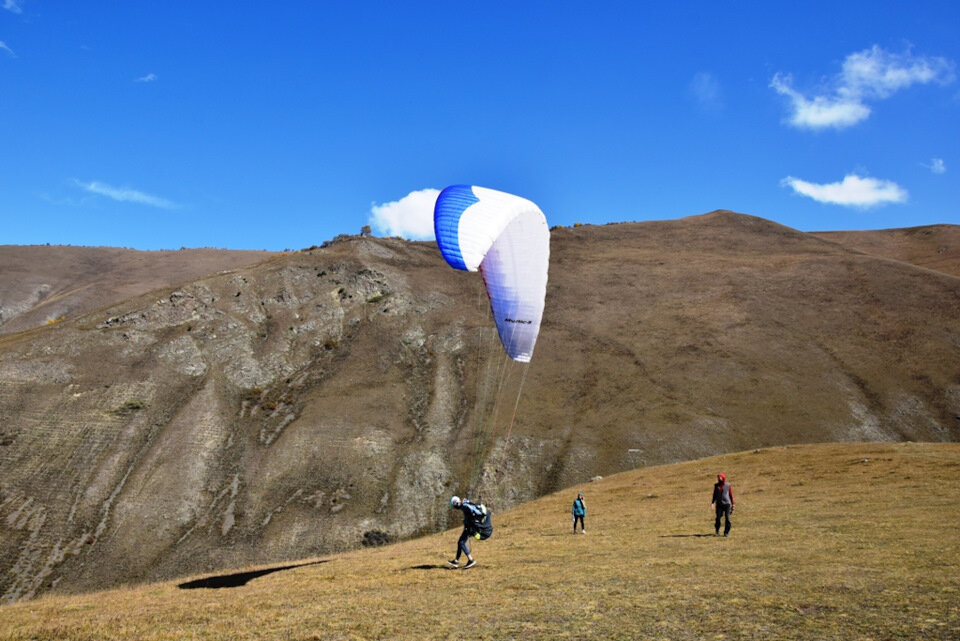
x=487 y=421
x=516 y=404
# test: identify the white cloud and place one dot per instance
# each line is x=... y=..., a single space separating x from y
x=150 y=77
x=869 y=75
x=410 y=217
x=4 y=47
x=11 y=5
x=821 y=111
x=875 y=73
x=937 y=166
x=852 y=191
x=706 y=89
x=125 y=194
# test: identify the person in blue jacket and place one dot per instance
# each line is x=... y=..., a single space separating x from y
x=579 y=511
x=471 y=514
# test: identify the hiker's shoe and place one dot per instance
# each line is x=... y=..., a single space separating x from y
x=718 y=533
x=583 y=531
x=454 y=563
x=469 y=565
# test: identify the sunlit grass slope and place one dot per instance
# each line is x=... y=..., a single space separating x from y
x=840 y=541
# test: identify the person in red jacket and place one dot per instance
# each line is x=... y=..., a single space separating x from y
x=723 y=502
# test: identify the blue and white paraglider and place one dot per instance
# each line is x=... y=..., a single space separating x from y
x=506 y=239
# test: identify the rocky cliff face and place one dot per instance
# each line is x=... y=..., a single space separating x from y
x=336 y=397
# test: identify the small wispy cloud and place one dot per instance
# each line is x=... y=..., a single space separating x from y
x=705 y=88
x=865 y=76
x=125 y=194
x=936 y=165
x=4 y=47
x=410 y=217
x=11 y=5
x=852 y=191
x=150 y=77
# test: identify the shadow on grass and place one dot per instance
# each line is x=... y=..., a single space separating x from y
x=238 y=579
x=685 y=536
x=431 y=566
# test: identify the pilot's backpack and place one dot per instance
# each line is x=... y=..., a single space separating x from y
x=482 y=523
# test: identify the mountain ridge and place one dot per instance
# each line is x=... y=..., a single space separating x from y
x=47 y=283
x=319 y=399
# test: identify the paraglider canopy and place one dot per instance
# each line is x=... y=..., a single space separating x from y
x=506 y=239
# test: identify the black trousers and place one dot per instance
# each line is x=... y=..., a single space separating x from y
x=577 y=517
x=723 y=512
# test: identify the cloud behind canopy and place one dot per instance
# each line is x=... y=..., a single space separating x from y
x=866 y=76
x=852 y=191
x=410 y=217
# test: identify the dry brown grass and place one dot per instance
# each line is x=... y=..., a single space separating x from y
x=933 y=246
x=840 y=541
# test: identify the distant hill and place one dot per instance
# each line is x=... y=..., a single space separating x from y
x=45 y=283
x=818 y=550
x=325 y=399
x=934 y=246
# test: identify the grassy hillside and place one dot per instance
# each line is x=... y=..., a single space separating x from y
x=44 y=284
x=935 y=247
x=838 y=541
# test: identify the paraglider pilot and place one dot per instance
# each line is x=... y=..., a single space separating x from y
x=471 y=514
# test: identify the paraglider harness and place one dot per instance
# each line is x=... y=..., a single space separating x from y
x=479 y=525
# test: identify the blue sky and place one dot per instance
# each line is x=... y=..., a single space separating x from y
x=252 y=125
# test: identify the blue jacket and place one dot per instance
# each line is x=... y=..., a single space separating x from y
x=579 y=509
